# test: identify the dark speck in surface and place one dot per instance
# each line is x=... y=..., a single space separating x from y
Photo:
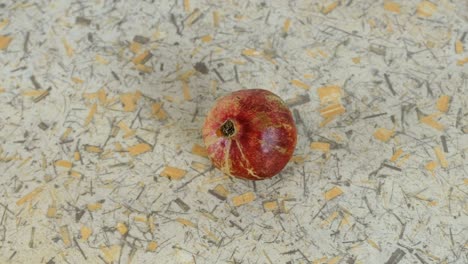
x=201 y=67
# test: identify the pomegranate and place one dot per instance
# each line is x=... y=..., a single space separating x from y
x=250 y=134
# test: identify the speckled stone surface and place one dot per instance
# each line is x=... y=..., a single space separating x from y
x=102 y=103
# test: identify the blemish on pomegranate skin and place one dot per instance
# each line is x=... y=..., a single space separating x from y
x=269 y=140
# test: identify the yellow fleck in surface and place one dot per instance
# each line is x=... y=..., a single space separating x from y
x=92 y=112
x=443 y=103
x=140 y=59
x=5 y=42
x=158 y=111
x=85 y=233
x=130 y=100
x=139 y=149
x=77 y=80
x=186 y=222
x=64 y=163
x=298 y=159
x=356 y=60
x=322 y=146
x=186 y=75
x=173 y=173
x=122 y=228
x=286 y=25
x=251 y=52
x=392 y=7
x=127 y=130
x=65 y=234
x=33 y=93
x=441 y=157
x=329 y=94
x=431 y=166
x=458 y=46
x=68 y=48
x=152 y=246
x=330 y=7
x=51 y=212
x=333 y=193
x=431 y=121
x=187 y=6
x=3 y=23
x=243 y=199
x=383 y=134
x=101 y=60
x=30 y=196
x=66 y=134
x=403 y=159
x=135 y=47
x=207 y=38
x=199 y=150
x=462 y=62
x=330 y=219
x=332 y=110
x=151 y=224
x=93 y=149
x=75 y=174
x=111 y=253
x=215 y=18
x=221 y=190
x=374 y=244
x=300 y=84
x=195 y=15
x=94 y=207
x=396 y=155
x=186 y=91
x=270 y=205
x=426 y=9
x=211 y=235
x=334 y=260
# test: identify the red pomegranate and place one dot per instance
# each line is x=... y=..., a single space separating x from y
x=250 y=134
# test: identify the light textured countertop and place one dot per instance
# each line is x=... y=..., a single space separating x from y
x=102 y=103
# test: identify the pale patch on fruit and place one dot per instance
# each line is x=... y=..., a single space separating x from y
x=210 y=140
x=250 y=169
x=269 y=140
x=286 y=127
x=242 y=152
x=274 y=98
x=263 y=121
x=252 y=173
x=226 y=168
x=281 y=150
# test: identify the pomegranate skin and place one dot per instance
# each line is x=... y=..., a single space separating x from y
x=250 y=134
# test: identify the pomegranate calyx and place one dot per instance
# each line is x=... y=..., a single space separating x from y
x=227 y=129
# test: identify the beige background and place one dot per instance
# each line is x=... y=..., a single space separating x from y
x=106 y=166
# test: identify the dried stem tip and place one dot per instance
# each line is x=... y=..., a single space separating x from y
x=228 y=129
